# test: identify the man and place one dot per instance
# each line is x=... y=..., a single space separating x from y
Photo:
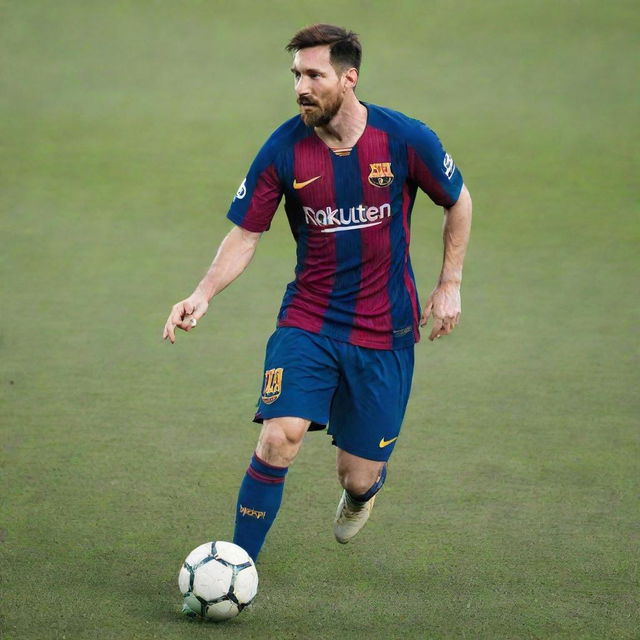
x=342 y=353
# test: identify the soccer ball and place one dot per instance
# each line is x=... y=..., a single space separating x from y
x=218 y=580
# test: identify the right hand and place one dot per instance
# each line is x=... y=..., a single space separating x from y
x=195 y=306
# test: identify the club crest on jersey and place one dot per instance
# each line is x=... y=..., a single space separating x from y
x=272 y=385
x=380 y=174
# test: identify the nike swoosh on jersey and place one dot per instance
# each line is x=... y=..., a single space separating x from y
x=302 y=185
x=384 y=443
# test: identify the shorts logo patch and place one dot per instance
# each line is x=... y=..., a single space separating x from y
x=272 y=385
x=380 y=175
x=385 y=443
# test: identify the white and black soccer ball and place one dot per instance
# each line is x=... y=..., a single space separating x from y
x=218 y=580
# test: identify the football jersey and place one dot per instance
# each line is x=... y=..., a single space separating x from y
x=350 y=214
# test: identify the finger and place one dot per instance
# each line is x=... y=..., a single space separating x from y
x=169 y=332
x=436 y=329
x=458 y=318
x=199 y=312
x=425 y=314
x=448 y=325
x=190 y=323
x=176 y=315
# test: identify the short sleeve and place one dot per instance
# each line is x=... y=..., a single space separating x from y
x=432 y=168
x=259 y=194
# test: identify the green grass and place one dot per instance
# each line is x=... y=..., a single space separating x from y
x=512 y=506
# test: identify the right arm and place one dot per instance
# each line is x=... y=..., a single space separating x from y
x=233 y=256
x=251 y=211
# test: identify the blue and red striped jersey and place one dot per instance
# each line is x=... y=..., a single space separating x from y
x=350 y=214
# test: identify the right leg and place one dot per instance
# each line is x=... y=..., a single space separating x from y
x=280 y=440
x=299 y=380
x=262 y=487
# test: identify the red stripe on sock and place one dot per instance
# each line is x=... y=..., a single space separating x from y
x=261 y=477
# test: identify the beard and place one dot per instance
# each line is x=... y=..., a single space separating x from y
x=320 y=116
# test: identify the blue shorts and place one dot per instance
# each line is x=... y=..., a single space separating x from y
x=360 y=393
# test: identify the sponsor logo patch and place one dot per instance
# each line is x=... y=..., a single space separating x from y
x=380 y=174
x=449 y=165
x=302 y=185
x=242 y=190
x=272 y=385
x=252 y=513
x=332 y=220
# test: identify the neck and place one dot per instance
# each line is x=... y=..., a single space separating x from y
x=346 y=126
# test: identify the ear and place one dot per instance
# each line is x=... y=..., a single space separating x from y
x=350 y=78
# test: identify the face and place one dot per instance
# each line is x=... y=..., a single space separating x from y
x=319 y=89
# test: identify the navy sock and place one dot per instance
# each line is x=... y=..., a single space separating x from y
x=375 y=487
x=258 y=503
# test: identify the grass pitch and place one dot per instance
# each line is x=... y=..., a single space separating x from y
x=511 y=509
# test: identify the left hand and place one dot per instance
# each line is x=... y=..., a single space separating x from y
x=444 y=304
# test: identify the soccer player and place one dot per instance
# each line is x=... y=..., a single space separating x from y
x=342 y=353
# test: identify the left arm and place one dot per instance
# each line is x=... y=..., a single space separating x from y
x=444 y=301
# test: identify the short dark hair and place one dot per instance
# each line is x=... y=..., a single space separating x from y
x=344 y=46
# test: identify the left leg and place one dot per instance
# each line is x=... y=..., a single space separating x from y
x=357 y=475
x=366 y=416
x=361 y=479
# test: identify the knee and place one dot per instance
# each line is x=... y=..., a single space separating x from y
x=358 y=481
x=279 y=443
x=273 y=442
